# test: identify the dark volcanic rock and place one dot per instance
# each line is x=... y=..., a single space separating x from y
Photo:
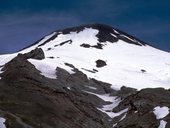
x=98 y=46
x=65 y=42
x=105 y=34
x=126 y=91
x=35 y=54
x=79 y=81
x=100 y=63
x=141 y=105
x=30 y=100
x=85 y=45
x=143 y=71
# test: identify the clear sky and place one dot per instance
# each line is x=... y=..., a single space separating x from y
x=23 y=22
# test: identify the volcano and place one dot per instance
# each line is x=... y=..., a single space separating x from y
x=90 y=76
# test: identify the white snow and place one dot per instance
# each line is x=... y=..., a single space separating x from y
x=2 y=122
x=48 y=68
x=1 y=71
x=127 y=37
x=109 y=107
x=68 y=88
x=161 y=112
x=116 y=31
x=131 y=39
x=104 y=97
x=162 y=124
x=6 y=58
x=123 y=117
x=113 y=35
x=124 y=61
x=112 y=114
x=114 y=125
x=90 y=87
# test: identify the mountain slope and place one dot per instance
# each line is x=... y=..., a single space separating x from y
x=132 y=63
x=82 y=72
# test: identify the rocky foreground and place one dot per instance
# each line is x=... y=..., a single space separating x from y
x=30 y=100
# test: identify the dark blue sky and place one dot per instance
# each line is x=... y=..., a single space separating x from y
x=23 y=22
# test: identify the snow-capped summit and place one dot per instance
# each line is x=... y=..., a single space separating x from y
x=105 y=33
x=103 y=53
x=86 y=77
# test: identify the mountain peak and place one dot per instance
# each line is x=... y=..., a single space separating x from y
x=97 y=50
x=103 y=33
x=106 y=33
x=103 y=53
x=95 y=73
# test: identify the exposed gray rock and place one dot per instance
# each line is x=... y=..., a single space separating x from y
x=126 y=91
x=141 y=105
x=100 y=63
x=35 y=54
x=29 y=99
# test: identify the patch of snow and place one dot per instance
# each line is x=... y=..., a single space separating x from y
x=162 y=124
x=131 y=39
x=6 y=58
x=90 y=87
x=113 y=35
x=136 y=112
x=112 y=114
x=120 y=120
x=127 y=37
x=45 y=68
x=104 y=97
x=2 y=122
x=48 y=67
x=114 y=125
x=116 y=31
x=108 y=108
x=161 y=112
x=68 y=88
x=123 y=117
x=1 y=71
